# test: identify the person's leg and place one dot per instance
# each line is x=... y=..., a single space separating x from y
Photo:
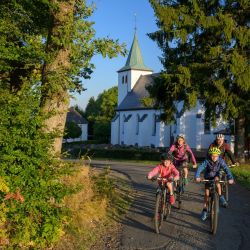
x=204 y=213
x=223 y=201
x=185 y=169
x=170 y=188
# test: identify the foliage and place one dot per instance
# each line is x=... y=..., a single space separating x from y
x=41 y=59
x=242 y=174
x=31 y=190
x=100 y=113
x=205 y=47
x=72 y=130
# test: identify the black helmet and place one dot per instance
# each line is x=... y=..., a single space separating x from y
x=166 y=156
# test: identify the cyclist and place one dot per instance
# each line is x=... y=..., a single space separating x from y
x=224 y=147
x=166 y=169
x=181 y=151
x=212 y=167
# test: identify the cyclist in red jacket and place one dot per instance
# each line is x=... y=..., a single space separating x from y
x=166 y=169
x=224 y=147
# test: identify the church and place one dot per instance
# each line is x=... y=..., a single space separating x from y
x=137 y=125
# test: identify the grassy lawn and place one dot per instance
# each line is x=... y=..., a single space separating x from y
x=242 y=175
x=153 y=163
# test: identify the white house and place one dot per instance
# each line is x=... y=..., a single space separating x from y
x=76 y=117
x=135 y=124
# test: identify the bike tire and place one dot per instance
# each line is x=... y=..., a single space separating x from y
x=214 y=213
x=159 y=212
x=226 y=191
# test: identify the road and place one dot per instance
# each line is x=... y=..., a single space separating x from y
x=184 y=230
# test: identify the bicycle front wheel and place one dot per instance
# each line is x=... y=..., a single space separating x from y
x=159 y=212
x=214 y=213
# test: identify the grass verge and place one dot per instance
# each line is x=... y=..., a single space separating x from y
x=242 y=175
x=99 y=203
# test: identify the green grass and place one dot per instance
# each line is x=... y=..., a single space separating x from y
x=153 y=163
x=242 y=175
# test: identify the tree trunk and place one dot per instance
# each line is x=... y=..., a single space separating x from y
x=55 y=80
x=240 y=138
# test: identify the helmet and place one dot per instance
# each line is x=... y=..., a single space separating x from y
x=167 y=156
x=214 y=151
x=220 y=136
x=180 y=136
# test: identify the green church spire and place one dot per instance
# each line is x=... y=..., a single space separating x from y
x=135 y=60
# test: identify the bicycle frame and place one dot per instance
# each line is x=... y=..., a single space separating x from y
x=213 y=204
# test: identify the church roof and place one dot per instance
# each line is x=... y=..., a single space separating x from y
x=76 y=117
x=135 y=60
x=133 y=99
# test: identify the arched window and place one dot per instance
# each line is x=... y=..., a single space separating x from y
x=137 y=124
x=122 y=79
x=126 y=79
x=154 y=125
x=123 y=123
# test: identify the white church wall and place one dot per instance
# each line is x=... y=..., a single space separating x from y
x=84 y=135
x=122 y=86
x=133 y=76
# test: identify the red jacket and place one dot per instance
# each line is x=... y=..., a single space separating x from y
x=165 y=172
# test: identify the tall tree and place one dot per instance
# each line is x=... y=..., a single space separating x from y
x=205 y=47
x=70 y=46
x=100 y=112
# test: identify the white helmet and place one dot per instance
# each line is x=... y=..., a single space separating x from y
x=220 y=136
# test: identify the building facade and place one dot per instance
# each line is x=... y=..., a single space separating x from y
x=137 y=125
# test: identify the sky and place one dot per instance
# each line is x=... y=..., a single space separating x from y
x=116 y=19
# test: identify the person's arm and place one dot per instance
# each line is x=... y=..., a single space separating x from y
x=230 y=154
x=172 y=149
x=226 y=169
x=154 y=172
x=200 y=169
x=192 y=155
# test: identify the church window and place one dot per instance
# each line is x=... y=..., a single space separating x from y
x=154 y=124
x=207 y=126
x=122 y=79
x=126 y=79
x=137 y=124
x=123 y=124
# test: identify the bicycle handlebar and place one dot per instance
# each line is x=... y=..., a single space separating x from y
x=212 y=181
x=162 y=179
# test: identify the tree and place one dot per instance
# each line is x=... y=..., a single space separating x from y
x=72 y=130
x=100 y=112
x=205 y=47
x=70 y=45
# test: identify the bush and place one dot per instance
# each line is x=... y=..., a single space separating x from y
x=30 y=187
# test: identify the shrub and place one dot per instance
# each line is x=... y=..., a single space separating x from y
x=30 y=186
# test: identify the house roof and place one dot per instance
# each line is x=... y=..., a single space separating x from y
x=135 y=60
x=133 y=99
x=74 y=116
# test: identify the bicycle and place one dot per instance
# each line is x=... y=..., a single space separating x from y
x=213 y=204
x=162 y=205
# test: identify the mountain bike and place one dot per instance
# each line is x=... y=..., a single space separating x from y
x=213 y=204
x=162 y=205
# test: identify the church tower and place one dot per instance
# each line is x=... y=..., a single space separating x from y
x=133 y=69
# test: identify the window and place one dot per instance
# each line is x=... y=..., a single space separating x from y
x=154 y=125
x=123 y=79
x=123 y=123
x=207 y=126
x=137 y=124
x=126 y=79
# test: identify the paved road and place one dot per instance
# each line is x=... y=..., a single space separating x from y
x=184 y=229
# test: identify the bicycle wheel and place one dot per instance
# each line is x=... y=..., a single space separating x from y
x=214 y=213
x=159 y=211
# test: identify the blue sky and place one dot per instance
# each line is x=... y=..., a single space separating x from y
x=115 y=19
